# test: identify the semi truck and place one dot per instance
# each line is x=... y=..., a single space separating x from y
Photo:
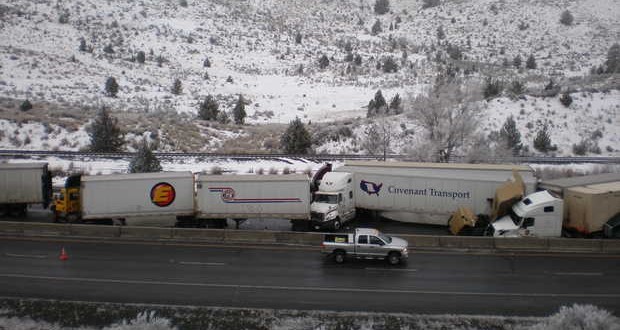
x=425 y=193
x=182 y=199
x=365 y=243
x=22 y=185
x=585 y=211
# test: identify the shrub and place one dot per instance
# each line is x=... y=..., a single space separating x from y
x=566 y=18
x=323 y=61
x=141 y=57
x=111 y=87
x=376 y=28
x=389 y=65
x=577 y=317
x=566 y=99
x=382 y=7
x=177 y=87
x=531 y=62
x=492 y=88
x=25 y=106
x=430 y=3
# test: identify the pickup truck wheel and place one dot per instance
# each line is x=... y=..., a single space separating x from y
x=339 y=257
x=394 y=258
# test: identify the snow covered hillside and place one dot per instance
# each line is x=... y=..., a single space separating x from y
x=319 y=60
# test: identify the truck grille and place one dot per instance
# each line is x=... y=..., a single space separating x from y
x=316 y=216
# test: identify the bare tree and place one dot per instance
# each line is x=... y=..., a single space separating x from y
x=377 y=137
x=449 y=115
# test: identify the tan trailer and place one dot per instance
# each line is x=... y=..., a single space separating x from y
x=587 y=209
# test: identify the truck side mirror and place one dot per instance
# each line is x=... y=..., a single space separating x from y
x=528 y=222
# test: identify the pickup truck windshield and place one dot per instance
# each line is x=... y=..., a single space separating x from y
x=385 y=238
x=322 y=198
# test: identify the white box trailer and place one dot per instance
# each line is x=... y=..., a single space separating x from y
x=428 y=193
x=253 y=196
x=137 y=195
x=23 y=184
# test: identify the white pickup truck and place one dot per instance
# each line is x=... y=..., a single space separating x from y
x=365 y=243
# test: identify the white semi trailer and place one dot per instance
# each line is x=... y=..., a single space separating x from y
x=425 y=193
x=24 y=184
x=240 y=197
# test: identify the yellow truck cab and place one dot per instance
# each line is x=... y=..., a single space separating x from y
x=66 y=204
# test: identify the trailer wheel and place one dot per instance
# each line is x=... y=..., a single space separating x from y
x=394 y=258
x=339 y=256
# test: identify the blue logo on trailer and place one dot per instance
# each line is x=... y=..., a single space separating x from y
x=370 y=187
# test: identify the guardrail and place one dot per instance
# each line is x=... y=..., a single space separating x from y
x=226 y=236
x=316 y=157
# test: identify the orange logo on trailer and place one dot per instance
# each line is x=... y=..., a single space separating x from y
x=162 y=194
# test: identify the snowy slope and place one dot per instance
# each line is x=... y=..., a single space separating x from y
x=253 y=43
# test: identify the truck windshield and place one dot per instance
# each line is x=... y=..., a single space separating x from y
x=515 y=218
x=385 y=238
x=322 y=198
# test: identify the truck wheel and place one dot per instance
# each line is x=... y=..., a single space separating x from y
x=337 y=224
x=339 y=257
x=394 y=258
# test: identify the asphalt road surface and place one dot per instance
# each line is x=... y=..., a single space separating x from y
x=301 y=278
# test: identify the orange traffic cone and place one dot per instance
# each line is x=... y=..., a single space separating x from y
x=63 y=255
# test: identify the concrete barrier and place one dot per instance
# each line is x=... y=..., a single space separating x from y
x=521 y=243
x=610 y=245
x=145 y=232
x=421 y=241
x=247 y=236
x=95 y=231
x=47 y=229
x=10 y=227
x=207 y=235
x=575 y=244
x=310 y=239
x=466 y=242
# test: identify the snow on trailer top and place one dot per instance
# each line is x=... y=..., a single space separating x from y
x=441 y=166
x=601 y=188
x=464 y=172
x=253 y=177
x=558 y=185
x=10 y=166
x=138 y=176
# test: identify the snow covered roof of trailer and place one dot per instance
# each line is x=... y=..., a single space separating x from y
x=448 y=166
x=558 y=185
x=601 y=188
x=252 y=177
x=138 y=176
x=22 y=165
x=466 y=172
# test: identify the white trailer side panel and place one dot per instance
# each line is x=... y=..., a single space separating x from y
x=253 y=196
x=137 y=195
x=429 y=193
x=23 y=183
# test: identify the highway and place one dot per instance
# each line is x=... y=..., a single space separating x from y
x=431 y=282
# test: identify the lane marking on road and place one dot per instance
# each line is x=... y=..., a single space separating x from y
x=391 y=269
x=30 y=256
x=577 y=274
x=197 y=263
x=307 y=288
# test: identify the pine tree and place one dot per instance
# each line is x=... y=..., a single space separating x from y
x=542 y=141
x=516 y=61
x=389 y=65
x=511 y=135
x=376 y=28
x=209 y=109
x=323 y=62
x=206 y=63
x=396 y=104
x=382 y=7
x=296 y=139
x=531 y=62
x=440 y=33
x=566 y=99
x=144 y=161
x=613 y=59
x=25 y=106
x=298 y=37
x=177 y=87
x=239 y=111
x=83 y=46
x=141 y=57
x=566 y=18
x=111 y=87
x=104 y=133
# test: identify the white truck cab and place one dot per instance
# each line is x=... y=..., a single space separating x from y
x=539 y=214
x=333 y=204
